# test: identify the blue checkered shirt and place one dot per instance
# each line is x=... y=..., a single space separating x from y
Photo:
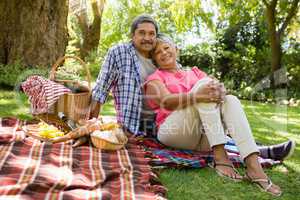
x=120 y=74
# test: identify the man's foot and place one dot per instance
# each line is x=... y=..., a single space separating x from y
x=278 y=152
x=227 y=170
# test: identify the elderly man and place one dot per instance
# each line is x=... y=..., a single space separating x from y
x=125 y=68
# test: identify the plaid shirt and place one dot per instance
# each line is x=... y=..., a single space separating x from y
x=120 y=73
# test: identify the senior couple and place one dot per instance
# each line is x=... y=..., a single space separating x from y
x=185 y=106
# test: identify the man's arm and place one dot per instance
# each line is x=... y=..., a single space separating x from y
x=95 y=109
x=105 y=80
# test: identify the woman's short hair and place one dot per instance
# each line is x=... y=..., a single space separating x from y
x=143 y=19
x=165 y=38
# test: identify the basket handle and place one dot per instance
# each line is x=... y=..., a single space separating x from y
x=60 y=60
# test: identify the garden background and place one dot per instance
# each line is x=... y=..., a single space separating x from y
x=252 y=46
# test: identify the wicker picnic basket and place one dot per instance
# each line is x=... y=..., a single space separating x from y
x=75 y=106
x=101 y=143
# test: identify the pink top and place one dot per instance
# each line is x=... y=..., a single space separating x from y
x=179 y=82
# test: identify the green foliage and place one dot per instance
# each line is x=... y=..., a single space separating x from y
x=240 y=59
x=73 y=70
x=200 y=56
x=291 y=61
x=13 y=74
x=9 y=73
x=70 y=70
x=94 y=62
x=243 y=57
x=232 y=12
x=187 y=14
x=238 y=56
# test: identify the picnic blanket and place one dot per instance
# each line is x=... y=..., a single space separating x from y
x=30 y=169
x=166 y=157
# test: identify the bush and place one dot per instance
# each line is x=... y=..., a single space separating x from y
x=94 y=62
x=291 y=61
x=13 y=74
x=199 y=55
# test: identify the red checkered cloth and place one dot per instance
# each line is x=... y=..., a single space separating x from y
x=30 y=169
x=42 y=93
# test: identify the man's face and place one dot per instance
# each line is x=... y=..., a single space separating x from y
x=144 y=38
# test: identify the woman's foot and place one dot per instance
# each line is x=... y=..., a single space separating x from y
x=227 y=170
x=264 y=183
x=255 y=174
x=223 y=165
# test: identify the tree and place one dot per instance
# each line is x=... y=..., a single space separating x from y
x=33 y=32
x=174 y=17
x=277 y=27
x=90 y=29
x=279 y=22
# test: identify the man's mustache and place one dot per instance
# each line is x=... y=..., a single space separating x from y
x=147 y=42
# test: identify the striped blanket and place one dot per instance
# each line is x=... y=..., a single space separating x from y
x=30 y=169
x=166 y=157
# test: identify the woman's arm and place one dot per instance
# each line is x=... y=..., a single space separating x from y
x=157 y=92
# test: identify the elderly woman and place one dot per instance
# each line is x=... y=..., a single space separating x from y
x=187 y=102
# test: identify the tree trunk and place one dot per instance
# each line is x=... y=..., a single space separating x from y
x=33 y=32
x=276 y=52
x=90 y=30
x=274 y=37
x=91 y=38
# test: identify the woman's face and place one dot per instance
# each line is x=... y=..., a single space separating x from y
x=165 y=55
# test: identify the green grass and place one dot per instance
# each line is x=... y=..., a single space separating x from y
x=270 y=124
x=16 y=104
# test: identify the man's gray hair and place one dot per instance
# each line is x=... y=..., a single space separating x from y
x=144 y=18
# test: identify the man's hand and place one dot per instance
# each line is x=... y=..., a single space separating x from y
x=94 y=109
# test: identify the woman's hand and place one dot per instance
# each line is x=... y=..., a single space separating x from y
x=223 y=91
x=211 y=92
x=221 y=87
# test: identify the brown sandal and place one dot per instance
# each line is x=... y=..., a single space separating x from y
x=221 y=174
x=264 y=188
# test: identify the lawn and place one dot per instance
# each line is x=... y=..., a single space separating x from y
x=270 y=124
